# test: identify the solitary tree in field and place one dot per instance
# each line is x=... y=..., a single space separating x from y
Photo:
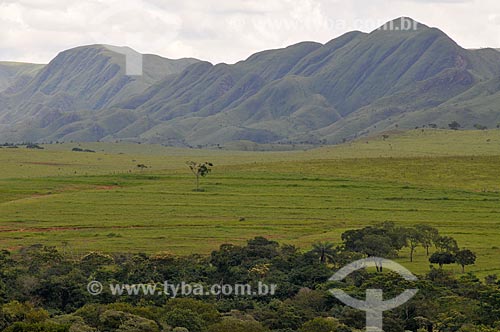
x=465 y=257
x=199 y=170
x=142 y=167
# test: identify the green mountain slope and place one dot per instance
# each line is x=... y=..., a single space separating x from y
x=15 y=74
x=88 y=78
x=355 y=85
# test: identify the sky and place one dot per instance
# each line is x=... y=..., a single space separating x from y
x=223 y=30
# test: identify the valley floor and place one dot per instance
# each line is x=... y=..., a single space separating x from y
x=101 y=201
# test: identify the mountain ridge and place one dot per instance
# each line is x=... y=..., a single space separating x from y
x=14 y=74
x=88 y=77
x=354 y=85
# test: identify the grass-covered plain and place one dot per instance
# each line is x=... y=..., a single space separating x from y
x=101 y=201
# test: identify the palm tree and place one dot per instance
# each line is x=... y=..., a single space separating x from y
x=325 y=251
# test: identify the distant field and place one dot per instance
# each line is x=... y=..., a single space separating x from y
x=101 y=201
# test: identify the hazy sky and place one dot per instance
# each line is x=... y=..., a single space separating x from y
x=223 y=30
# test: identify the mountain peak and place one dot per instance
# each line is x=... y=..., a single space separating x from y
x=102 y=48
x=402 y=24
x=404 y=74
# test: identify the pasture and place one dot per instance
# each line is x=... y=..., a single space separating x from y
x=101 y=201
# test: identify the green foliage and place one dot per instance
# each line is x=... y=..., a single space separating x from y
x=476 y=328
x=185 y=318
x=34 y=146
x=206 y=311
x=465 y=257
x=235 y=325
x=383 y=241
x=15 y=311
x=113 y=320
x=95 y=260
x=413 y=239
x=325 y=251
x=442 y=258
x=446 y=244
x=199 y=170
x=454 y=125
x=428 y=236
x=180 y=329
x=37 y=327
x=302 y=303
x=76 y=323
x=138 y=324
x=323 y=325
x=451 y=322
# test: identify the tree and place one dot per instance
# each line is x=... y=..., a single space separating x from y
x=377 y=245
x=34 y=146
x=236 y=325
x=185 y=318
x=38 y=256
x=37 y=327
x=465 y=257
x=446 y=244
x=77 y=323
x=15 y=311
x=383 y=241
x=454 y=125
x=413 y=240
x=476 y=328
x=428 y=236
x=206 y=311
x=324 y=250
x=260 y=247
x=199 y=170
x=450 y=321
x=442 y=258
x=321 y=324
x=480 y=126
x=115 y=320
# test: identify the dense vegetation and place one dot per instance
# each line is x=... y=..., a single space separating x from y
x=45 y=290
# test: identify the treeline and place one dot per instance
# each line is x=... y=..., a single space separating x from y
x=388 y=240
x=16 y=146
x=44 y=289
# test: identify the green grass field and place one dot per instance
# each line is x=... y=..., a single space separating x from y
x=101 y=201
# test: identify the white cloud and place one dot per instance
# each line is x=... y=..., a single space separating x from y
x=223 y=30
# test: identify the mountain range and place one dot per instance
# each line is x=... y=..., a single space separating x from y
x=357 y=84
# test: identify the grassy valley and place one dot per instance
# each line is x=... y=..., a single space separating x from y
x=103 y=201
